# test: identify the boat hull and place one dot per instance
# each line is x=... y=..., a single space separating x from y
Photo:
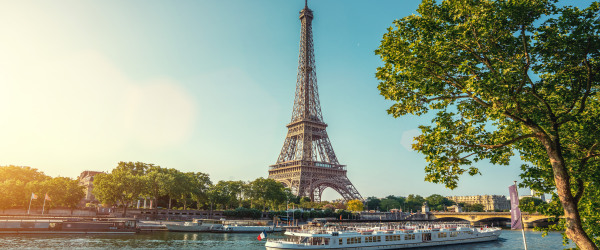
x=276 y=246
x=249 y=229
x=181 y=228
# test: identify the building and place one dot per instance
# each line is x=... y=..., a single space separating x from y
x=86 y=179
x=489 y=202
x=540 y=196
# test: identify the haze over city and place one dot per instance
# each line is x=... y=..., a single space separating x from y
x=205 y=86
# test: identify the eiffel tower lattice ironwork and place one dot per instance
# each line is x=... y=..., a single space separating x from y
x=307 y=163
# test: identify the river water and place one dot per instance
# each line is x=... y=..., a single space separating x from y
x=175 y=240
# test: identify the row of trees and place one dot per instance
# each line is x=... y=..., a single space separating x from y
x=410 y=203
x=131 y=181
x=18 y=183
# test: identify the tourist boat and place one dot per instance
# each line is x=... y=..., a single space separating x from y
x=197 y=225
x=390 y=237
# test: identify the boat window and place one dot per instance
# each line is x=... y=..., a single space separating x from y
x=409 y=237
x=341 y=241
x=441 y=235
x=353 y=240
x=453 y=234
x=426 y=236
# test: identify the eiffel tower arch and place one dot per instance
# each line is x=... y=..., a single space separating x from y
x=307 y=163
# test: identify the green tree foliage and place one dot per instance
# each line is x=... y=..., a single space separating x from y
x=414 y=202
x=438 y=202
x=388 y=204
x=504 y=77
x=63 y=192
x=471 y=207
x=200 y=184
x=124 y=185
x=224 y=194
x=373 y=203
x=173 y=184
x=268 y=192
x=17 y=184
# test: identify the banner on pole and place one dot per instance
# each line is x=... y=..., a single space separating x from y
x=515 y=212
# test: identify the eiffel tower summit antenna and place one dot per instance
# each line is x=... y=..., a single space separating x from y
x=307 y=163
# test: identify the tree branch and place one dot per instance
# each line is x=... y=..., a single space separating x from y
x=502 y=144
x=453 y=97
x=580 y=188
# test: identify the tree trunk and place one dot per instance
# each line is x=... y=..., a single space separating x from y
x=155 y=208
x=125 y=209
x=574 y=230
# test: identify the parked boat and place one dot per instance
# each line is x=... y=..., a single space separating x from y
x=197 y=225
x=248 y=229
x=389 y=237
x=248 y=226
x=67 y=227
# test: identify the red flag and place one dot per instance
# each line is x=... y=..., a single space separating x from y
x=47 y=197
x=33 y=196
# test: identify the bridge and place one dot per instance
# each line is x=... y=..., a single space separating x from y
x=473 y=217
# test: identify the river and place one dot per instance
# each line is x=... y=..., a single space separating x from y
x=174 y=240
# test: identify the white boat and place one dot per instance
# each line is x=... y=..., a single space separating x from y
x=248 y=226
x=382 y=237
x=249 y=229
x=197 y=225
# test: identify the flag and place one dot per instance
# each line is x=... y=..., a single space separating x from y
x=33 y=196
x=47 y=197
x=262 y=236
x=515 y=212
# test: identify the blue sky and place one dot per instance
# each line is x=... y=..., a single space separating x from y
x=204 y=86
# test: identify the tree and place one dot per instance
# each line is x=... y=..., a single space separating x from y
x=355 y=205
x=153 y=179
x=173 y=184
x=63 y=192
x=414 y=202
x=504 y=77
x=438 y=202
x=387 y=204
x=373 y=203
x=200 y=185
x=120 y=186
x=268 y=192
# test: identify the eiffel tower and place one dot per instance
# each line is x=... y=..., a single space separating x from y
x=307 y=164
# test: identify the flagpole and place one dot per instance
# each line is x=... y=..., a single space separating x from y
x=44 y=206
x=521 y=215
x=30 y=199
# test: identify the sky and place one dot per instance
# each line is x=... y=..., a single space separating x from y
x=205 y=86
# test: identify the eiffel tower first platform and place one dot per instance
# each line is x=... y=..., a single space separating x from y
x=307 y=164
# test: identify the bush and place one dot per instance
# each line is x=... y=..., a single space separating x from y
x=242 y=212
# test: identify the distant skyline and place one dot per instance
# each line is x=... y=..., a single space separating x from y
x=205 y=86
